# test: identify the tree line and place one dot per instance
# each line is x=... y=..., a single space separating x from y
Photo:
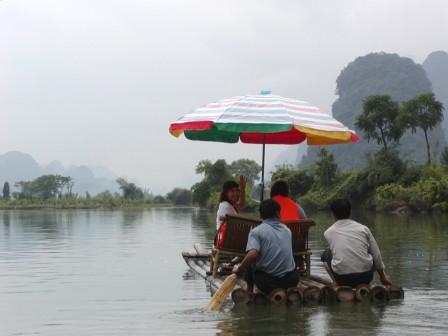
x=48 y=189
x=387 y=182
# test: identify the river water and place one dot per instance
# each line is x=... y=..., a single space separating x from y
x=121 y=273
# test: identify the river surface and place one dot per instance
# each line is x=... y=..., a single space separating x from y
x=121 y=273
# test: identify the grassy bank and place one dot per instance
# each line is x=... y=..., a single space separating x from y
x=80 y=203
x=386 y=184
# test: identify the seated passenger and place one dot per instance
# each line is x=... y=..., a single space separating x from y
x=269 y=262
x=289 y=209
x=353 y=253
x=231 y=200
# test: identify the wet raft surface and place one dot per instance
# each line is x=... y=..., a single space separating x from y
x=311 y=291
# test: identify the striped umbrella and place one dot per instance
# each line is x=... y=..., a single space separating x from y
x=262 y=119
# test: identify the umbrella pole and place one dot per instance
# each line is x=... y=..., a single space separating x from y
x=262 y=169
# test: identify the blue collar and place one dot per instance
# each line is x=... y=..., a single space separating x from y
x=271 y=221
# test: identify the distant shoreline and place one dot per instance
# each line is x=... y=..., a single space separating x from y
x=84 y=204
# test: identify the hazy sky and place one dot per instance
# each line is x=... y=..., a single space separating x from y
x=98 y=82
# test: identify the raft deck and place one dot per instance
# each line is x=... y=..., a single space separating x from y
x=313 y=289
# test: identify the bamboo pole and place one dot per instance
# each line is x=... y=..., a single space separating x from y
x=362 y=293
x=395 y=292
x=379 y=293
x=310 y=294
x=294 y=296
x=345 y=294
x=240 y=296
x=222 y=293
x=322 y=279
x=327 y=293
x=260 y=299
x=278 y=296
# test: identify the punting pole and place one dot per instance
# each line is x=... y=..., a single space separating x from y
x=262 y=168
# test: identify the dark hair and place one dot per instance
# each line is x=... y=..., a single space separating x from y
x=280 y=187
x=341 y=208
x=269 y=209
x=228 y=185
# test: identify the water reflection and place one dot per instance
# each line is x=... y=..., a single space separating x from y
x=116 y=272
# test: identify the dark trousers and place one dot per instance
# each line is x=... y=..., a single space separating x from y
x=267 y=283
x=352 y=279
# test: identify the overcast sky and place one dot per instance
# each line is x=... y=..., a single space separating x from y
x=98 y=82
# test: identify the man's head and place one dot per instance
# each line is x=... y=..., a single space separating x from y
x=341 y=208
x=280 y=187
x=269 y=209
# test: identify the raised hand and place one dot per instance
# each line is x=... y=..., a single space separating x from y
x=243 y=182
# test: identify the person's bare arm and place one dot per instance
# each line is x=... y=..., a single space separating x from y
x=250 y=258
x=242 y=185
x=384 y=277
x=330 y=274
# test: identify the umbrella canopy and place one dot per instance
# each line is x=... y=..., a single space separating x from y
x=262 y=119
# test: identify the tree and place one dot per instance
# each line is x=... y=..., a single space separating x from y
x=248 y=168
x=378 y=120
x=203 y=167
x=299 y=181
x=129 y=190
x=179 y=196
x=422 y=111
x=443 y=158
x=326 y=168
x=6 y=191
x=215 y=174
x=45 y=186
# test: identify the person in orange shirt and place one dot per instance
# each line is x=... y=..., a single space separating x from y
x=289 y=209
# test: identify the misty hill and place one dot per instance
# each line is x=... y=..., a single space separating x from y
x=17 y=166
x=373 y=74
x=436 y=67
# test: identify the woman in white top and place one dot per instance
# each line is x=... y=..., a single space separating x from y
x=233 y=198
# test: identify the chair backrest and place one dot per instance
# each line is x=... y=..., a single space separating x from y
x=237 y=232
x=238 y=228
x=299 y=230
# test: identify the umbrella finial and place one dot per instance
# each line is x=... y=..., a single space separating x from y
x=265 y=92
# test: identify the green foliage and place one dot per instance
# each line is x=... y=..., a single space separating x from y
x=245 y=167
x=428 y=193
x=45 y=187
x=300 y=181
x=391 y=196
x=384 y=167
x=424 y=112
x=129 y=190
x=378 y=120
x=326 y=168
x=206 y=192
x=444 y=158
x=179 y=196
x=213 y=200
x=159 y=199
x=201 y=192
x=6 y=191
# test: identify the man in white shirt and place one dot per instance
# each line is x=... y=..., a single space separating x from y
x=353 y=253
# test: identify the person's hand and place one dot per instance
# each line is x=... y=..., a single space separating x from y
x=243 y=182
x=236 y=270
x=385 y=279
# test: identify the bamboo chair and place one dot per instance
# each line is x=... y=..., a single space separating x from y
x=237 y=232
x=300 y=247
x=235 y=240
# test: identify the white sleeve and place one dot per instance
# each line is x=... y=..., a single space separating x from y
x=375 y=251
x=225 y=208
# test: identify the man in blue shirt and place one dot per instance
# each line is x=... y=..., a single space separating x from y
x=269 y=262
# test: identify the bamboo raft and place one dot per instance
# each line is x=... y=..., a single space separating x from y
x=311 y=290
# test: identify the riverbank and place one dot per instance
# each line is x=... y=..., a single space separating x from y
x=79 y=203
